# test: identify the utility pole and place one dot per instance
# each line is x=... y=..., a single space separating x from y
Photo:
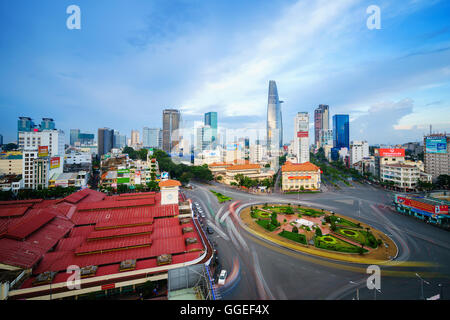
x=421 y=285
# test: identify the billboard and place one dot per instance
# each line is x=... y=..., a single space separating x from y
x=164 y=175
x=422 y=206
x=233 y=146
x=55 y=162
x=391 y=152
x=302 y=134
x=436 y=145
x=42 y=151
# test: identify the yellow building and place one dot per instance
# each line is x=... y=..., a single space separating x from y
x=11 y=163
x=229 y=170
x=298 y=175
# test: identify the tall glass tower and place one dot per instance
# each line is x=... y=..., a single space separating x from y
x=341 y=131
x=211 y=120
x=274 y=120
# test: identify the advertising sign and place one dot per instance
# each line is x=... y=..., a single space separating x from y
x=123 y=171
x=43 y=151
x=424 y=207
x=436 y=145
x=233 y=146
x=164 y=175
x=302 y=134
x=55 y=162
x=123 y=180
x=391 y=152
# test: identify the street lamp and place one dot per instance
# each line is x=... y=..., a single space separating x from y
x=421 y=286
x=357 y=289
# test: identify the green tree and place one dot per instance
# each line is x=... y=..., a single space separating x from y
x=294 y=229
x=318 y=232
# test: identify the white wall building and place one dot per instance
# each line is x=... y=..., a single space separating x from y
x=301 y=137
x=358 y=151
x=78 y=158
x=54 y=139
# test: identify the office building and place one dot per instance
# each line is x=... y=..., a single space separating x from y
x=403 y=176
x=150 y=137
x=29 y=155
x=171 y=130
x=53 y=139
x=74 y=133
x=203 y=139
x=321 y=122
x=211 y=121
x=341 y=131
x=358 y=151
x=437 y=154
x=135 y=139
x=78 y=138
x=301 y=137
x=47 y=124
x=274 y=121
x=105 y=140
x=120 y=141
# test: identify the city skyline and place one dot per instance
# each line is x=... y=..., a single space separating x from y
x=408 y=75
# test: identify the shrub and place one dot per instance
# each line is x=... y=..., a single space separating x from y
x=308 y=229
x=380 y=242
x=284 y=220
x=318 y=232
x=294 y=229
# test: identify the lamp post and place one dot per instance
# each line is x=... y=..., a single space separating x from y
x=357 y=289
x=421 y=285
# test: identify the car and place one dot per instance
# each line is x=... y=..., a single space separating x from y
x=209 y=230
x=202 y=215
x=222 y=277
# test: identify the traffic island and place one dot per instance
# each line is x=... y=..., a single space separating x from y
x=319 y=232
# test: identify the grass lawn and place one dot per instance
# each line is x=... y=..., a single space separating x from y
x=266 y=224
x=261 y=214
x=297 y=237
x=360 y=236
x=311 y=212
x=329 y=242
x=220 y=197
x=344 y=222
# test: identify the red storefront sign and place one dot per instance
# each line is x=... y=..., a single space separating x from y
x=302 y=134
x=423 y=206
x=391 y=152
x=108 y=286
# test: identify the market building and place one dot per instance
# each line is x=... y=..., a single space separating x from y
x=118 y=242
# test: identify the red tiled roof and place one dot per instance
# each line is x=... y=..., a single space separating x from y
x=17 y=202
x=114 y=244
x=243 y=167
x=12 y=211
x=170 y=183
x=115 y=204
x=120 y=232
x=28 y=225
x=292 y=167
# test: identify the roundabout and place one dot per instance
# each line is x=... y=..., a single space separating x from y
x=318 y=232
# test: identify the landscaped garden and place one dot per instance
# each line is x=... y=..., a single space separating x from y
x=330 y=242
x=318 y=227
x=220 y=197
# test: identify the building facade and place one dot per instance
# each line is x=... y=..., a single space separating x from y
x=274 y=121
x=341 y=131
x=105 y=140
x=11 y=163
x=358 y=151
x=321 y=122
x=300 y=176
x=211 y=121
x=171 y=130
x=301 y=137
x=437 y=154
x=150 y=137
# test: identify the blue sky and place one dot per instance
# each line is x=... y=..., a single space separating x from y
x=132 y=59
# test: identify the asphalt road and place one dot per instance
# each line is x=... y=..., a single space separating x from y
x=268 y=271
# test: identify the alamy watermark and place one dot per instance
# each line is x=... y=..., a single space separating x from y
x=374 y=20
x=74 y=20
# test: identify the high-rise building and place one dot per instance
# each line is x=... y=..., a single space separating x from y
x=1 y=140
x=437 y=154
x=341 y=131
x=211 y=120
x=105 y=140
x=171 y=127
x=203 y=138
x=24 y=124
x=54 y=140
x=301 y=137
x=120 y=140
x=47 y=124
x=150 y=137
x=135 y=139
x=358 y=151
x=274 y=120
x=321 y=122
x=74 y=133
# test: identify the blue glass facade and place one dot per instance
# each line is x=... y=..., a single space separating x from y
x=341 y=131
x=211 y=120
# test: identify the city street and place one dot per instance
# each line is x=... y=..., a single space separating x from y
x=268 y=271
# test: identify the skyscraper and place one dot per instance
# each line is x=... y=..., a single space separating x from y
x=301 y=137
x=211 y=120
x=74 y=134
x=274 y=120
x=341 y=131
x=321 y=122
x=120 y=141
x=105 y=140
x=47 y=124
x=171 y=134
x=150 y=137
x=135 y=139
